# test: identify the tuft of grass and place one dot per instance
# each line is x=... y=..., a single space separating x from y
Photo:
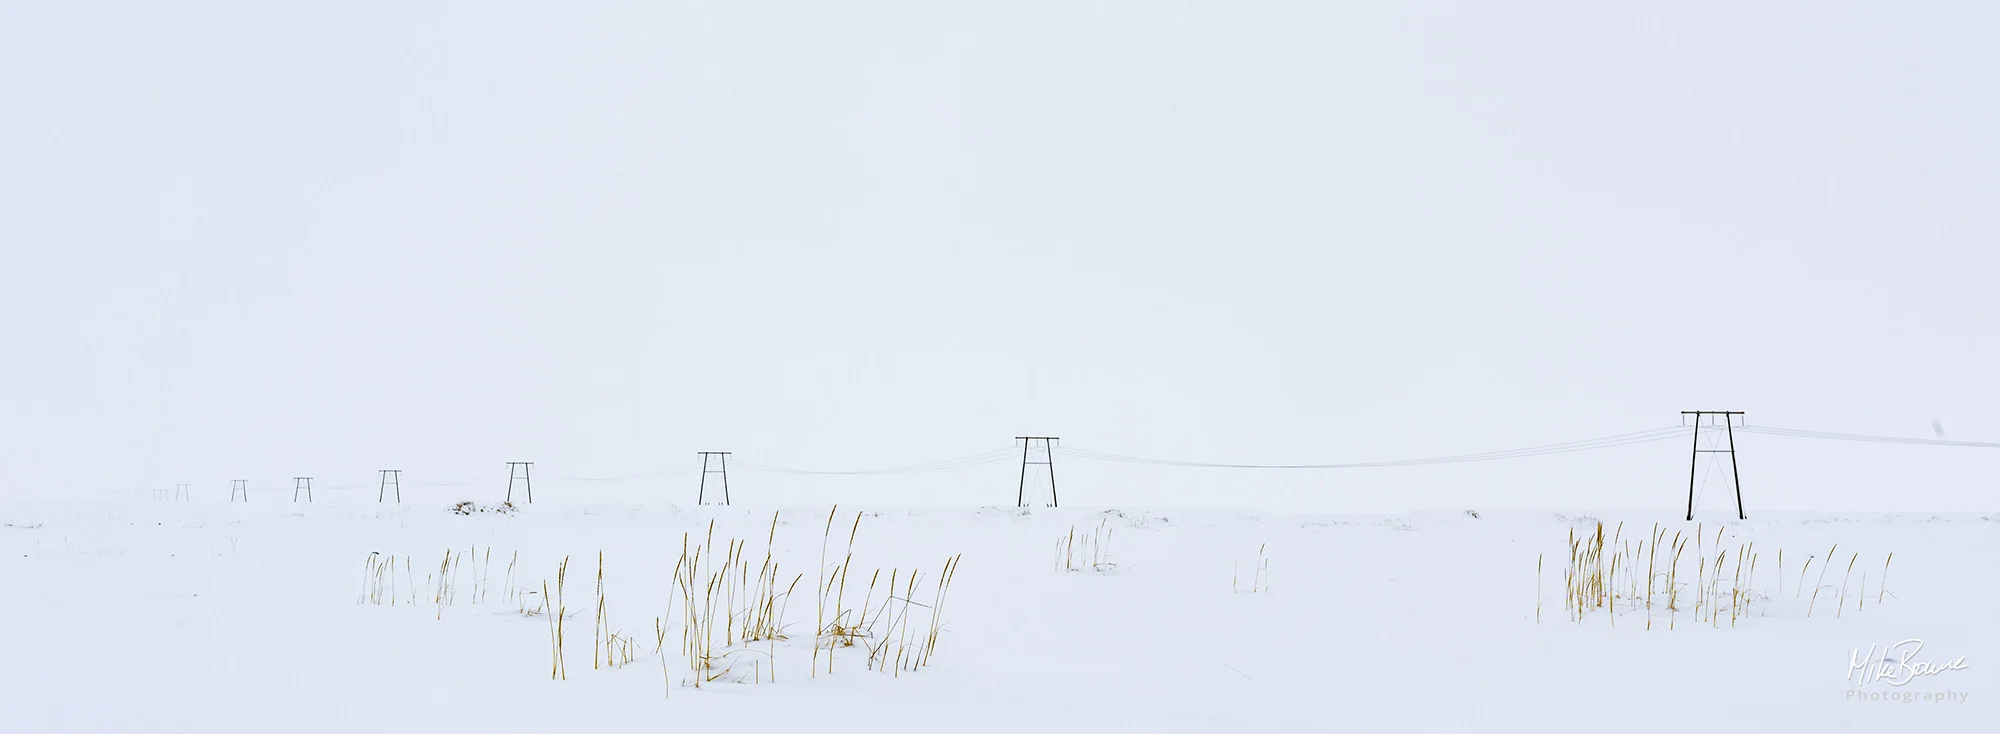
x=721 y=598
x=1259 y=575
x=1603 y=574
x=616 y=648
x=1085 y=552
x=842 y=628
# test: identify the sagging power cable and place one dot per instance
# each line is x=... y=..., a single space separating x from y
x=1626 y=439
x=988 y=457
x=1795 y=433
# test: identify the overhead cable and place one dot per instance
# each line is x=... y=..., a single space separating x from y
x=1626 y=439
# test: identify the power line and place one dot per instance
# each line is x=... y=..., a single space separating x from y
x=390 y=481
x=1626 y=439
x=989 y=457
x=1795 y=433
x=654 y=474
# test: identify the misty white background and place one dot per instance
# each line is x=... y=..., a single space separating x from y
x=259 y=240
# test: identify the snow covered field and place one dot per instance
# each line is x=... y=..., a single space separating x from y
x=247 y=618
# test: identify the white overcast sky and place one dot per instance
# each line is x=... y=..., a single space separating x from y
x=259 y=240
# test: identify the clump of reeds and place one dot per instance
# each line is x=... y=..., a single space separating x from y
x=765 y=618
x=937 y=608
x=556 y=612
x=845 y=625
x=1602 y=575
x=1085 y=552
x=724 y=607
x=446 y=591
x=724 y=598
x=899 y=650
x=1259 y=575
x=378 y=580
x=617 y=649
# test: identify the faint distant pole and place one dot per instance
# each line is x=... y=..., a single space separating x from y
x=519 y=470
x=1728 y=419
x=390 y=478
x=159 y=495
x=182 y=493
x=239 y=485
x=722 y=461
x=302 y=483
x=1048 y=460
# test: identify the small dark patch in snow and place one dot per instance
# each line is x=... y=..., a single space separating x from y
x=1474 y=514
x=473 y=508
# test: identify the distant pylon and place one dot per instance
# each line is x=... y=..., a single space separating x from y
x=159 y=495
x=1048 y=459
x=181 y=492
x=701 y=490
x=390 y=478
x=239 y=485
x=1728 y=419
x=527 y=483
x=302 y=483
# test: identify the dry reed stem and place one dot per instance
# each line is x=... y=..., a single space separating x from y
x=1822 y=579
x=819 y=621
x=1842 y=606
x=1882 y=587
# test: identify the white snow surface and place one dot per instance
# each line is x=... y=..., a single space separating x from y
x=246 y=618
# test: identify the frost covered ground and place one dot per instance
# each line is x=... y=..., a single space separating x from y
x=250 y=618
